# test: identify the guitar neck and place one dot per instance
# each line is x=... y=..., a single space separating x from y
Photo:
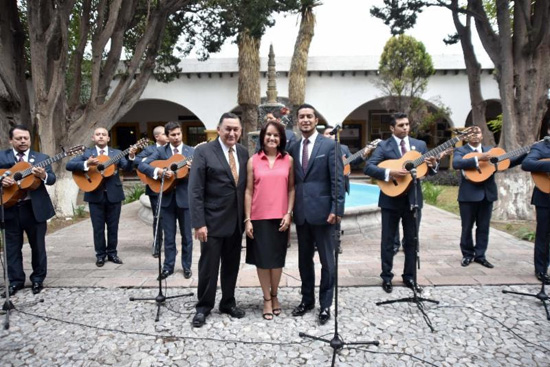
x=517 y=152
x=183 y=162
x=435 y=152
x=117 y=157
x=354 y=156
x=44 y=163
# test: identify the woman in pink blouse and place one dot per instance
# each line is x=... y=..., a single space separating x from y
x=269 y=199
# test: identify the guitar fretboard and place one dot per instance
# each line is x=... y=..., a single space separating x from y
x=42 y=164
x=517 y=152
x=435 y=152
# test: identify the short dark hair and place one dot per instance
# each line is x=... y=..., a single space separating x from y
x=282 y=136
x=305 y=105
x=171 y=125
x=228 y=115
x=397 y=116
x=17 y=127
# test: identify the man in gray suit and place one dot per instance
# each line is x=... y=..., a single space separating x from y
x=217 y=182
x=315 y=214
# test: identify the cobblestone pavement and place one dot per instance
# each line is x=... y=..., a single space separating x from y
x=474 y=326
x=86 y=318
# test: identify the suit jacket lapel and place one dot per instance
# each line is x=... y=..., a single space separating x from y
x=395 y=147
x=314 y=152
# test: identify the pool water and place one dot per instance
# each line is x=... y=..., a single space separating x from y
x=362 y=194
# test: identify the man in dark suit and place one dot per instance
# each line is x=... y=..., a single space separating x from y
x=534 y=163
x=105 y=202
x=318 y=207
x=475 y=200
x=216 y=196
x=28 y=215
x=346 y=153
x=175 y=203
x=400 y=207
x=160 y=141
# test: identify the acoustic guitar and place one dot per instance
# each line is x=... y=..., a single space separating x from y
x=90 y=180
x=542 y=179
x=499 y=161
x=25 y=181
x=351 y=158
x=413 y=159
x=176 y=163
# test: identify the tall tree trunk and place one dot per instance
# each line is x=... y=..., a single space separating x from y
x=249 y=82
x=298 y=67
x=520 y=56
x=473 y=70
x=14 y=96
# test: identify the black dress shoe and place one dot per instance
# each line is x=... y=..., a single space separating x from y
x=114 y=259
x=387 y=287
x=485 y=263
x=199 y=319
x=12 y=289
x=164 y=274
x=234 y=311
x=324 y=316
x=37 y=287
x=466 y=261
x=410 y=283
x=543 y=278
x=100 y=262
x=301 y=309
x=187 y=273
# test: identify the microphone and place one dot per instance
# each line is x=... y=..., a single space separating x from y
x=18 y=176
x=174 y=167
x=6 y=174
x=100 y=167
x=335 y=129
x=409 y=166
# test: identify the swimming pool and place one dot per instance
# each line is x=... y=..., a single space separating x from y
x=361 y=195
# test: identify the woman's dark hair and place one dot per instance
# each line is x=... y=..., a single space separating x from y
x=282 y=136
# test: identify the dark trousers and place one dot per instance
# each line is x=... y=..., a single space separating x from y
x=105 y=213
x=154 y=200
x=390 y=223
x=226 y=250
x=310 y=236
x=169 y=215
x=478 y=212
x=23 y=220
x=542 y=240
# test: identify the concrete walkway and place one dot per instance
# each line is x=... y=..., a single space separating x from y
x=71 y=259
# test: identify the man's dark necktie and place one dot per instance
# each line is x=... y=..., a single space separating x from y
x=403 y=147
x=305 y=155
x=21 y=155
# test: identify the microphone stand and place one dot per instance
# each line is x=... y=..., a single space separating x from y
x=160 y=299
x=416 y=290
x=8 y=305
x=542 y=296
x=336 y=343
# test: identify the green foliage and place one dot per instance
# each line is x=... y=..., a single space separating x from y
x=496 y=124
x=431 y=192
x=79 y=211
x=134 y=193
x=526 y=234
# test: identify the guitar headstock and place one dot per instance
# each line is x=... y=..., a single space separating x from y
x=466 y=133
x=373 y=144
x=76 y=150
x=141 y=143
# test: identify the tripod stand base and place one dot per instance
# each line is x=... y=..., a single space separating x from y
x=541 y=296
x=160 y=299
x=416 y=300
x=336 y=343
x=8 y=306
